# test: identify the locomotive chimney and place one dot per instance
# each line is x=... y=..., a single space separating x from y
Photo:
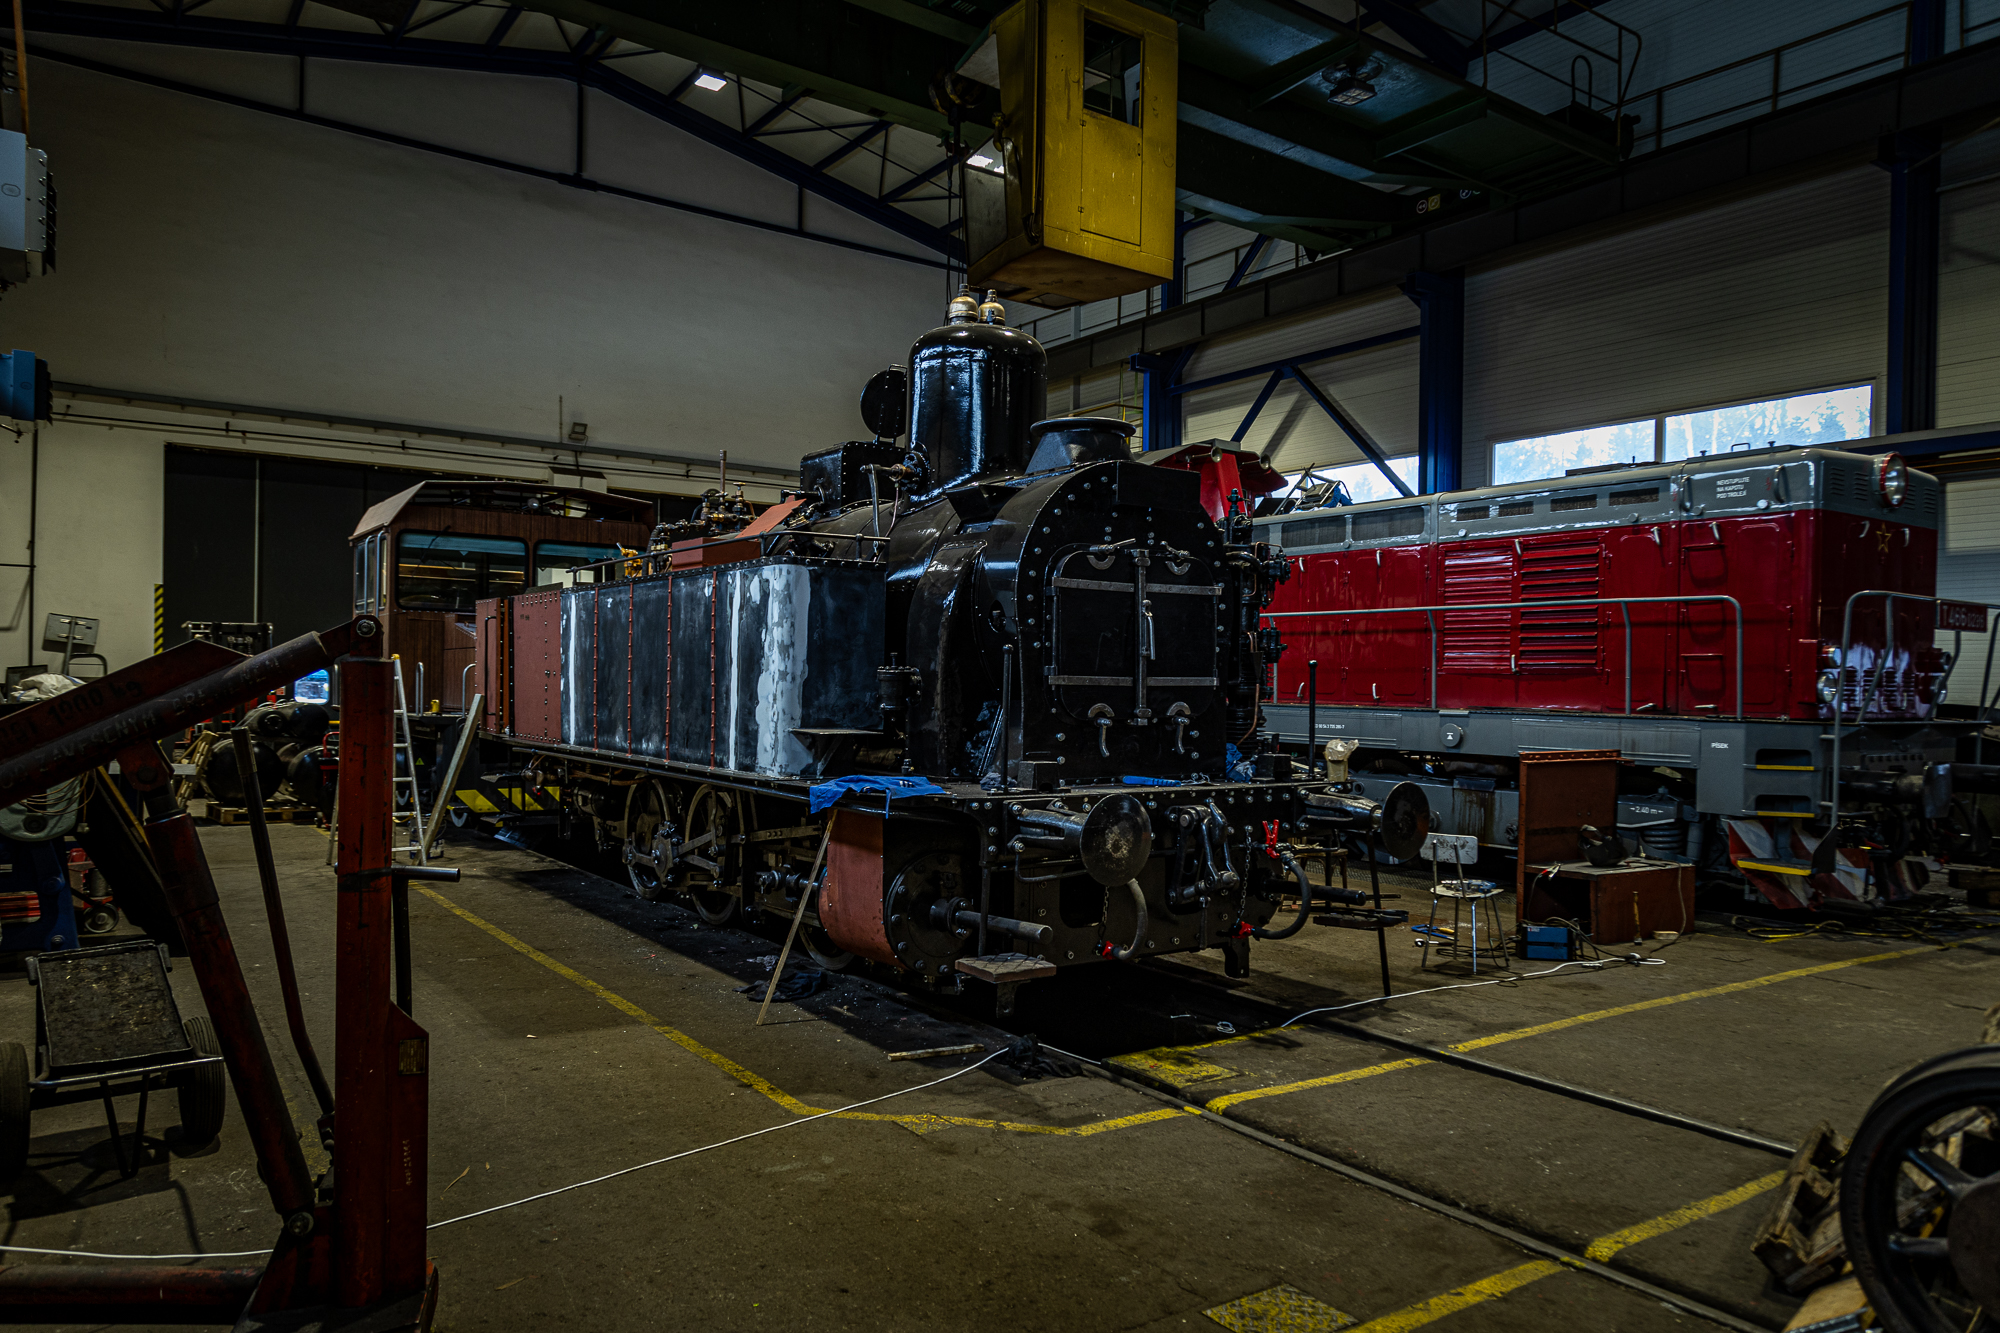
x=975 y=389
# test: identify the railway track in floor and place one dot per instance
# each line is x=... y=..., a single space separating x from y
x=1246 y=1004
x=1145 y=1019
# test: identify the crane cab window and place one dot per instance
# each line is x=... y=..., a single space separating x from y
x=1111 y=72
x=449 y=571
x=554 y=560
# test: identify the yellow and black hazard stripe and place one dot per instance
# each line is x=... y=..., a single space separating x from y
x=501 y=801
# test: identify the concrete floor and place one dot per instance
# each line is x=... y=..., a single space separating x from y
x=576 y=1030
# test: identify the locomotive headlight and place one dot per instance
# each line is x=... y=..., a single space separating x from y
x=1829 y=686
x=1892 y=479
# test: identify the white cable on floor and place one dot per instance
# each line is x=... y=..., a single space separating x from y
x=769 y=1129
x=545 y=1194
x=94 y=1254
x=1592 y=963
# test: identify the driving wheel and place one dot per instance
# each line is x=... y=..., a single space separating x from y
x=649 y=840
x=707 y=857
x=1920 y=1197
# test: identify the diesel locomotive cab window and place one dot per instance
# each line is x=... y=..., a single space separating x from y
x=1111 y=72
x=449 y=571
x=554 y=560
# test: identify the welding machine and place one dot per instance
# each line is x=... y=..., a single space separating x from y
x=1555 y=943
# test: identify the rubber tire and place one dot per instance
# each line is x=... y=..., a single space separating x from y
x=203 y=1090
x=1918 y=1096
x=15 y=1072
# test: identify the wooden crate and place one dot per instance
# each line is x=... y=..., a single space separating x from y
x=1981 y=885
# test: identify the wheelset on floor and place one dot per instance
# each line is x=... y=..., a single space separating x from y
x=1920 y=1197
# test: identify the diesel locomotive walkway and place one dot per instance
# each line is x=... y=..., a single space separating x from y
x=577 y=1030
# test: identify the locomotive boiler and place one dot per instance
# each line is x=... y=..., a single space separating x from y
x=985 y=704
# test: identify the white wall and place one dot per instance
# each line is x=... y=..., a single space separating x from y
x=1764 y=296
x=99 y=525
x=1969 y=285
x=222 y=254
x=1377 y=388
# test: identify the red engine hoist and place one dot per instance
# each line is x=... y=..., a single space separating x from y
x=354 y=1257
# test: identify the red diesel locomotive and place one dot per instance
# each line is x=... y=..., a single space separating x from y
x=1711 y=619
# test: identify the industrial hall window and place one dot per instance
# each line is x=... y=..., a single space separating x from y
x=449 y=571
x=1824 y=417
x=1110 y=72
x=554 y=560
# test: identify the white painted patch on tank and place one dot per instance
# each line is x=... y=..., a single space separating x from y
x=770 y=611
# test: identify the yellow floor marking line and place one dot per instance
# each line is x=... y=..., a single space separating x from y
x=1323 y=1081
x=1513 y=1279
x=1175 y=1067
x=1605 y=1246
x=1663 y=1001
x=1280 y=1309
x=764 y=1085
x=1472 y=1293
x=1280 y=1089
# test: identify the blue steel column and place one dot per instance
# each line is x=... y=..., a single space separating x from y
x=1915 y=171
x=1159 y=405
x=1440 y=299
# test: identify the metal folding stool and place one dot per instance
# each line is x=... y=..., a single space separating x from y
x=1466 y=897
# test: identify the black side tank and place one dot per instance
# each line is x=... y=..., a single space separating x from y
x=975 y=389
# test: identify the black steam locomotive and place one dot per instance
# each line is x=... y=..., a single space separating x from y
x=990 y=702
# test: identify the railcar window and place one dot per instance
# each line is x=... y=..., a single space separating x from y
x=368 y=574
x=1645 y=497
x=1407 y=521
x=449 y=571
x=1516 y=508
x=553 y=561
x=1563 y=503
x=1323 y=531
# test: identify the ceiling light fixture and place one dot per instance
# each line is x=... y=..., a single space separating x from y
x=713 y=83
x=1351 y=84
x=1350 y=89
x=980 y=160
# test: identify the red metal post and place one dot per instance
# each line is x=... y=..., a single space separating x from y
x=381 y=1057
x=190 y=894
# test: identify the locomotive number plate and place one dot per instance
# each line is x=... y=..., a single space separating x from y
x=1961 y=615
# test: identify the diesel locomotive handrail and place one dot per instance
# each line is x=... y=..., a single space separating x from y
x=1622 y=603
x=1832 y=802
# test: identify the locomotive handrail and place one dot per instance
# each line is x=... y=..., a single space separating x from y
x=649 y=557
x=1622 y=603
x=1832 y=802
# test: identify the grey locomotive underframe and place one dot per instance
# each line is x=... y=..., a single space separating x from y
x=1745 y=768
